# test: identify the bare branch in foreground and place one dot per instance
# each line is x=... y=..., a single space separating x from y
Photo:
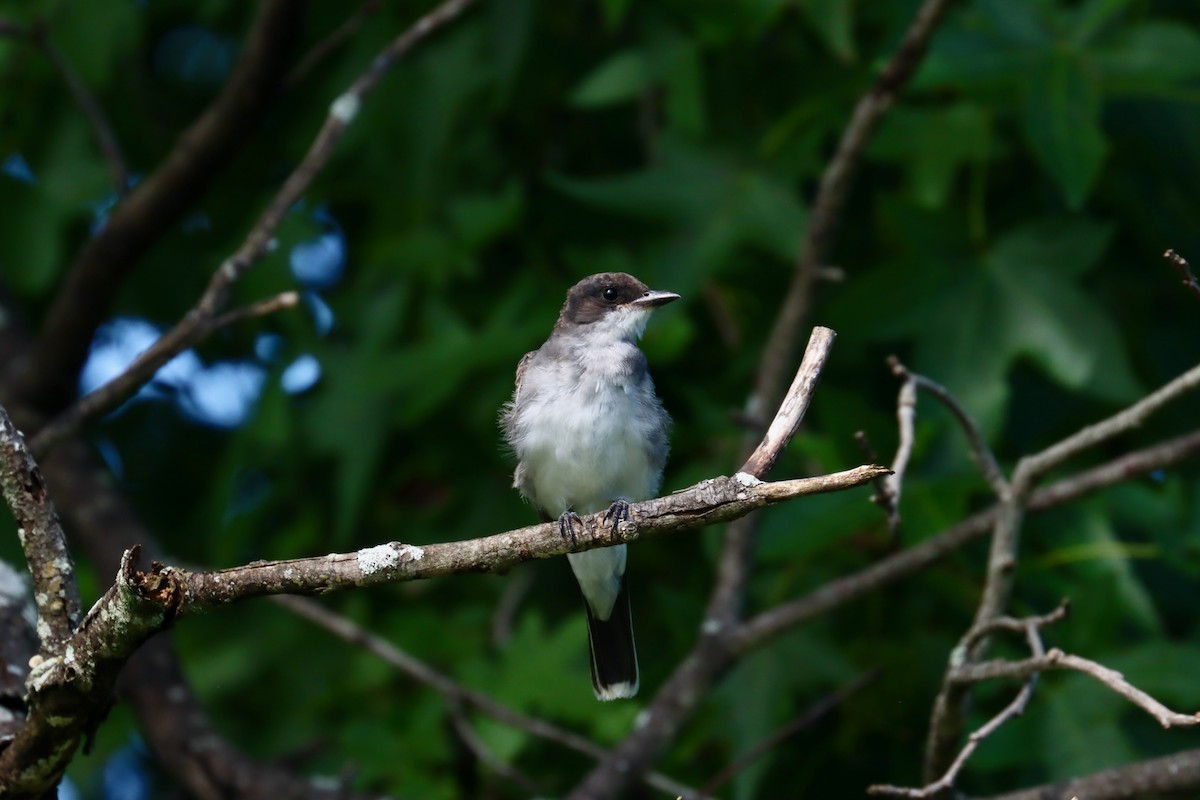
x=883 y=496
x=1057 y=659
x=834 y=594
x=1176 y=775
x=55 y=587
x=980 y=452
x=1039 y=464
x=947 y=719
x=69 y=691
x=707 y=503
x=906 y=414
x=791 y=411
x=1031 y=628
x=455 y=692
x=1185 y=271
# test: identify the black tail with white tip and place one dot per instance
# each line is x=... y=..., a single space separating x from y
x=614 y=655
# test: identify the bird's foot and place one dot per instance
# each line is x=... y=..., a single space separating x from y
x=617 y=513
x=567 y=523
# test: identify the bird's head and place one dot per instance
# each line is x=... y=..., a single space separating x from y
x=611 y=303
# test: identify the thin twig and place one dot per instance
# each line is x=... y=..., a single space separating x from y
x=906 y=414
x=327 y=46
x=143 y=368
x=980 y=452
x=451 y=689
x=831 y=195
x=483 y=753
x=1057 y=659
x=1185 y=271
x=815 y=712
x=774 y=621
x=1015 y=708
x=257 y=243
x=97 y=120
x=259 y=308
x=883 y=495
x=947 y=719
x=1037 y=465
x=1015 y=625
x=791 y=411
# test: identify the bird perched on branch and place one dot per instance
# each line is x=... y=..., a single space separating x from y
x=591 y=435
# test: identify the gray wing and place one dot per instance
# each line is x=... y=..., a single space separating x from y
x=522 y=365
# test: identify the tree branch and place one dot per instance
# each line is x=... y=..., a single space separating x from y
x=1057 y=659
x=1185 y=271
x=815 y=712
x=834 y=594
x=69 y=690
x=46 y=376
x=327 y=46
x=980 y=452
x=1175 y=775
x=831 y=195
x=194 y=325
x=143 y=368
x=1032 y=630
x=707 y=503
x=55 y=588
x=455 y=692
x=946 y=721
x=102 y=130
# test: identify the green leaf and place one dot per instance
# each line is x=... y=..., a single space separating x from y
x=1093 y=16
x=622 y=77
x=1047 y=318
x=615 y=11
x=1112 y=566
x=1026 y=23
x=1082 y=733
x=1062 y=123
x=757 y=695
x=933 y=145
x=1151 y=58
x=723 y=209
x=1021 y=299
x=833 y=20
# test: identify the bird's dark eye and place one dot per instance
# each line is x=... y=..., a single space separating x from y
x=610 y=294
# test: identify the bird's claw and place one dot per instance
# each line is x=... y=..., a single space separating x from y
x=567 y=523
x=617 y=513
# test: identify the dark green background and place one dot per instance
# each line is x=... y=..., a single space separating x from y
x=1003 y=237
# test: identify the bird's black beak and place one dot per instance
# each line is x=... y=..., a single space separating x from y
x=653 y=299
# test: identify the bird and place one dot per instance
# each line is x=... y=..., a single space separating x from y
x=590 y=434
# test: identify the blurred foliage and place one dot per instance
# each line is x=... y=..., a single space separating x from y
x=1003 y=237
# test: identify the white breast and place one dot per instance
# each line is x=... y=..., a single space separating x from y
x=587 y=436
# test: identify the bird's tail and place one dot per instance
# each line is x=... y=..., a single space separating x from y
x=614 y=655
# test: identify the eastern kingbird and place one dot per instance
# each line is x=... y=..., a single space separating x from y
x=591 y=435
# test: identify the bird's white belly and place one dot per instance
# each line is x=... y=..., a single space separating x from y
x=586 y=451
